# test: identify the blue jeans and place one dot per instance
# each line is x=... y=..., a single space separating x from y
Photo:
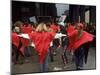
x=27 y=51
x=44 y=65
x=79 y=58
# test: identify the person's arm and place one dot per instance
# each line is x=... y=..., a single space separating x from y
x=59 y=35
x=51 y=44
x=32 y=44
x=24 y=36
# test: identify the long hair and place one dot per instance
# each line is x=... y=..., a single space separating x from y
x=80 y=30
x=42 y=27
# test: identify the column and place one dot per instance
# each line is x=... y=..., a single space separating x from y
x=93 y=14
x=82 y=13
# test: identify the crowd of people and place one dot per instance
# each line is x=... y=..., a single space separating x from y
x=46 y=37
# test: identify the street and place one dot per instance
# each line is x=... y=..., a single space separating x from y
x=33 y=67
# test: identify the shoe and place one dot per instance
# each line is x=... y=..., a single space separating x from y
x=65 y=67
x=57 y=68
x=54 y=53
x=79 y=68
x=26 y=61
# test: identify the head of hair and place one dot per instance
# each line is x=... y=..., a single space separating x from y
x=17 y=29
x=42 y=27
x=18 y=23
x=79 y=26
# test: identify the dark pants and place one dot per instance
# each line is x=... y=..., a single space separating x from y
x=64 y=57
x=65 y=42
x=53 y=49
x=51 y=54
x=79 y=58
x=27 y=51
x=15 y=53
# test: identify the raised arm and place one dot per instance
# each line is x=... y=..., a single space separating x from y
x=59 y=35
x=26 y=36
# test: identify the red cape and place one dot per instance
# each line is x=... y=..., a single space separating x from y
x=70 y=29
x=75 y=42
x=26 y=29
x=25 y=43
x=16 y=41
x=42 y=43
x=22 y=50
x=55 y=28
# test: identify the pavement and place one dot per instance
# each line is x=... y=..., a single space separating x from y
x=32 y=66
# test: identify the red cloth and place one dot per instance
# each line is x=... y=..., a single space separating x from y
x=42 y=43
x=54 y=28
x=70 y=29
x=33 y=28
x=15 y=39
x=27 y=29
x=22 y=50
x=25 y=42
x=75 y=43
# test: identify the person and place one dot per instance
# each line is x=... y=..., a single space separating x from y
x=77 y=44
x=16 y=42
x=26 y=28
x=64 y=44
x=55 y=28
x=42 y=39
x=51 y=44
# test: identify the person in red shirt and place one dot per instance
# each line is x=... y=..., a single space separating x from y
x=78 y=40
x=42 y=39
x=16 y=43
x=55 y=28
x=26 y=28
x=26 y=49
